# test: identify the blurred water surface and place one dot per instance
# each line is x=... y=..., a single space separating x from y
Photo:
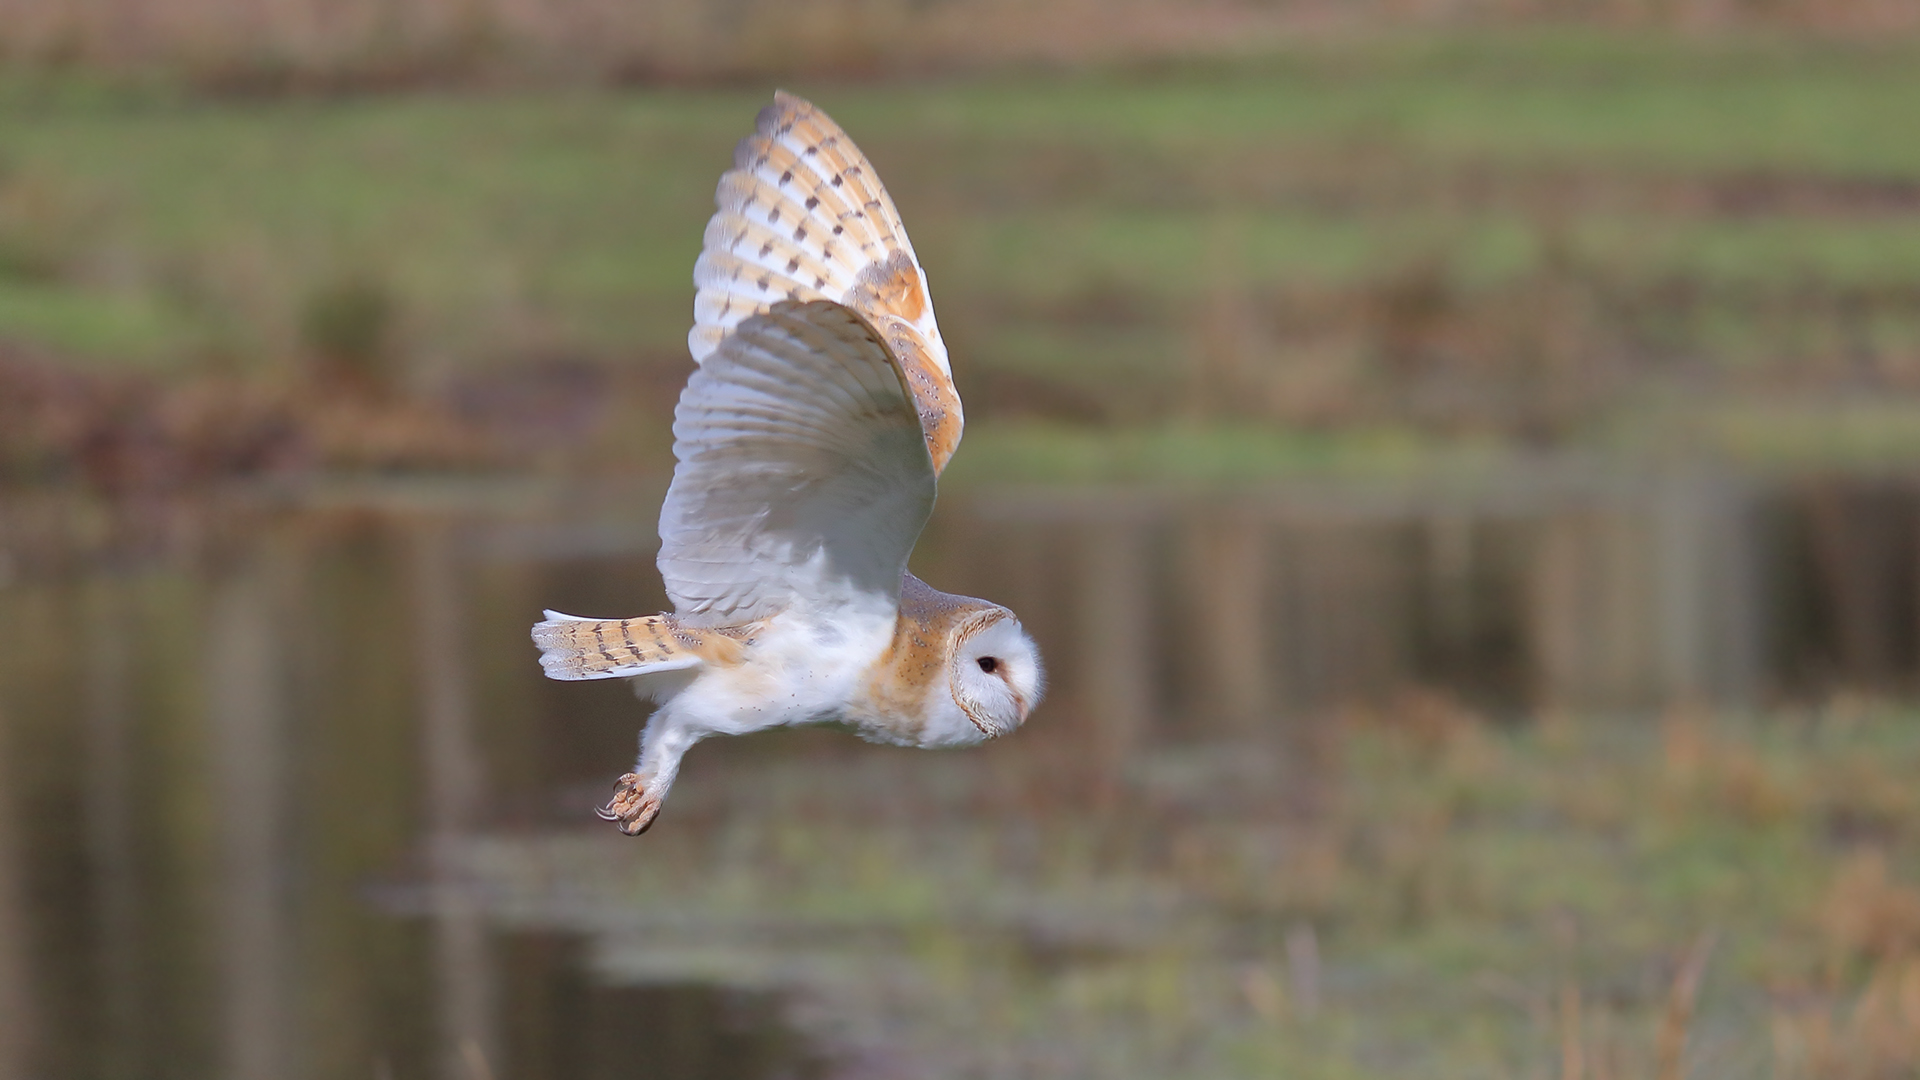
x=285 y=794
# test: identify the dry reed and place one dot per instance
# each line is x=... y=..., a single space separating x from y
x=1671 y=1046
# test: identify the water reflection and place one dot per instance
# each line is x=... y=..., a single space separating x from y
x=250 y=728
x=560 y=1023
x=455 y=785
x=251 y=752
x=18 y=1017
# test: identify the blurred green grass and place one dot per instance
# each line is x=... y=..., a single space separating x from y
x=1083 y=230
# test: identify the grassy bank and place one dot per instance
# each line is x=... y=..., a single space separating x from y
x=1409 y=893
x=1524 y=235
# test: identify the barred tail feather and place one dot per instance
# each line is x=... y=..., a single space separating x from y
x=572 y=648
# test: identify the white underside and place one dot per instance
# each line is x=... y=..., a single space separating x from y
x=801 y=669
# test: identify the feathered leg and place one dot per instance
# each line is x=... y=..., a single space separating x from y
x=636 y=801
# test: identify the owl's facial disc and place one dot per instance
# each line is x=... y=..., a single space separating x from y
x=995 y=672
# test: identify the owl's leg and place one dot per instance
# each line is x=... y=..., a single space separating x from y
x=636 y=801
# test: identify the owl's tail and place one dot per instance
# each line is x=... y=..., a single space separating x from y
x=574 y=648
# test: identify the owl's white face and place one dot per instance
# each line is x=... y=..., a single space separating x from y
x=994 y=677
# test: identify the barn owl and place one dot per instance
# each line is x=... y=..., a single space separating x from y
x=808 y=443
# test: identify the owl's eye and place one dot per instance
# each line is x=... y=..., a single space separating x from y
x=988 y=664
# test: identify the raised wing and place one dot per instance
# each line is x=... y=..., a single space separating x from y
x=802 y=216
x=803 y=477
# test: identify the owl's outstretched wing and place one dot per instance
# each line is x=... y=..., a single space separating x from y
x=802 y=216
x=803 y=477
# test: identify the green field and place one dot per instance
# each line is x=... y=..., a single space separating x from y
x=1509 y=234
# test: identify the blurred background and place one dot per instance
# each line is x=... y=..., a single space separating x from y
x=1460 y=458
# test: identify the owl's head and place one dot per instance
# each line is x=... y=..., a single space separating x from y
x=994 y=673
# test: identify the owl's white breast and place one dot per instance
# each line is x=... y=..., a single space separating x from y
x=800 y=668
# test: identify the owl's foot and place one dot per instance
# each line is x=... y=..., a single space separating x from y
x=632 y=809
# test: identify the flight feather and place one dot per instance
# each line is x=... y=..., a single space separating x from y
x=803 y=479
x=803 y=216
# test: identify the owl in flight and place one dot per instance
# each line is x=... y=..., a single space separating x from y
x=808 y=441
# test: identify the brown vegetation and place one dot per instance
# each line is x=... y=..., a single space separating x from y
x=122 y=433
x=127 y=434
x=256 y=45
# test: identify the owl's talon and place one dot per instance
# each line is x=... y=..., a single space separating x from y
x=631 y=808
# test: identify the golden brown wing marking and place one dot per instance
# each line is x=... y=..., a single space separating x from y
x=933 y=394
x=832 y=155
x=799 y=216
x=757 y=248
x=802 y=217
x=841 y=219
x=892 y=287
x=810 y=160
x=894 y=297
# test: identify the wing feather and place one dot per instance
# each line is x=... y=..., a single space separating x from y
x=802 y=216
x=803 y=477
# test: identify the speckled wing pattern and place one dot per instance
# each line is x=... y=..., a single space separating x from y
x=803 y=477
x=802 y=216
